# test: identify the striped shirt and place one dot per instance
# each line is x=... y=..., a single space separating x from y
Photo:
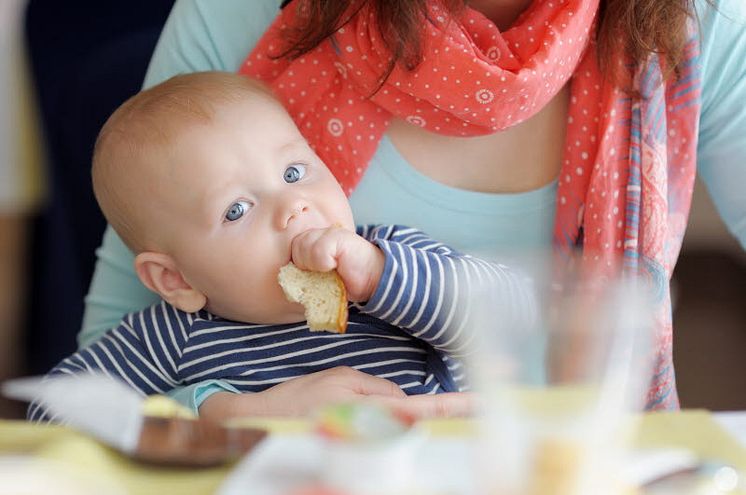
x=413 y=331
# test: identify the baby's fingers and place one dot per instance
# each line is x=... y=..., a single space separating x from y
x=449 y=405
x=315 y=250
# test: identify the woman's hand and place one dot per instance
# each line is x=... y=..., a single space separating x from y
x=301 y=396
x=358 y=262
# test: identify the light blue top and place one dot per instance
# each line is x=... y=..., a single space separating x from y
x=208 y=35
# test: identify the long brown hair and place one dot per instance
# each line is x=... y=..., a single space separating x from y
x=641 y=27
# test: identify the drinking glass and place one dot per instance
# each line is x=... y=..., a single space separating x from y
x=558 y=391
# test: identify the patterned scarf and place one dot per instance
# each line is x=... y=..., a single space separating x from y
x=629 y=164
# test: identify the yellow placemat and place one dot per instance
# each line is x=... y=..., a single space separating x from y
x=695 y=430
x=82 y=457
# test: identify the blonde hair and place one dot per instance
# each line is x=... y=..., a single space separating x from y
x=133 y=141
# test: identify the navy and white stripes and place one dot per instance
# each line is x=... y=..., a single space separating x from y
x=430 y=290
x=412 y=331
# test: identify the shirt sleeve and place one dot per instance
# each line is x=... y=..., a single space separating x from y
x=437 y=294
x=721 y=154
x=202 y=35
x=144 y=351
x=199 y=35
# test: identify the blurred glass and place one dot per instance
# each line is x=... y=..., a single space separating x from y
x=556 y=394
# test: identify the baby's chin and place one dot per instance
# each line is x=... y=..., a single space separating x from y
x=285 y=313
x=296 y=315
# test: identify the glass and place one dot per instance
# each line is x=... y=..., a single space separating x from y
x=556 y=391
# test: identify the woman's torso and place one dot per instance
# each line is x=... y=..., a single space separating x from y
x=482 y=195
x=204 y=35
x=521 y=158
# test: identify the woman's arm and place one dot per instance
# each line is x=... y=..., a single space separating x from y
x=721 y=154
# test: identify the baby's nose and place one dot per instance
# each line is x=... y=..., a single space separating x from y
x=293 y=214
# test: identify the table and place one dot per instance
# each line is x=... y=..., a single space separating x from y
x=97 y=469
x=734 y=422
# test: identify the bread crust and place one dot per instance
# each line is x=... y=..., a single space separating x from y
x=343 y=312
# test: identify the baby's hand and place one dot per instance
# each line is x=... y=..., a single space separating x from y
x=358 y=262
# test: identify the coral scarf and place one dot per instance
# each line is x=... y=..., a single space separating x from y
x=629 y=164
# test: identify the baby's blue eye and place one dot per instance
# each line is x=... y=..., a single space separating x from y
x=294 y=173
x=237 y=210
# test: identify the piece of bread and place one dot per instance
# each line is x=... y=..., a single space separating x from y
x=322 y=294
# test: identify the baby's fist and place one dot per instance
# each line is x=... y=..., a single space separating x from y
x=358 y=262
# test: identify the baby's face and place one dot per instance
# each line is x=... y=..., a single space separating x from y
x=237 y=191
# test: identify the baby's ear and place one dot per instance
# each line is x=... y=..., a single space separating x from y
x=159 y=273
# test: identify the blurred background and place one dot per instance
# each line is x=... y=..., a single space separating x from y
x=65 y=66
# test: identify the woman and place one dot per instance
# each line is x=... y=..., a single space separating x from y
x=444 y=138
